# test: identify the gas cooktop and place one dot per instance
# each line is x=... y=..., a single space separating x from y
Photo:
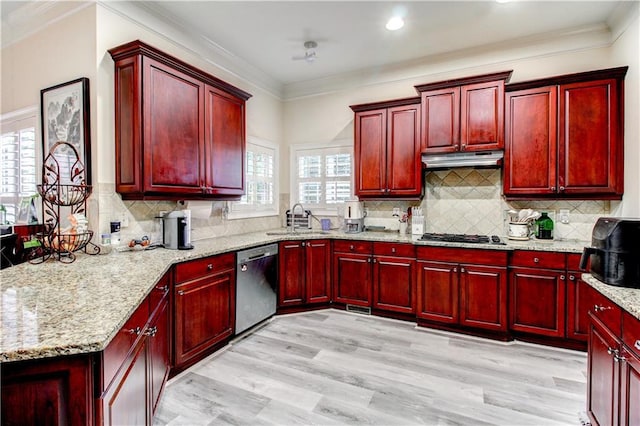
x=462 y=238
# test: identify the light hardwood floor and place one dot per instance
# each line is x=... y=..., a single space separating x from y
x=332 y=367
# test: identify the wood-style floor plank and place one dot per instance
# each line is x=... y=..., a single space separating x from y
x=333 y=367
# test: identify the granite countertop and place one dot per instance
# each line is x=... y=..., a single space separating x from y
x=54 y=309
x=627 y=298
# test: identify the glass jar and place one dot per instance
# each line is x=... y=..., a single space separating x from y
x=544 y=226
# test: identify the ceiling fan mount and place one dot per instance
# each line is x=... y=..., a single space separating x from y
x=309 y=54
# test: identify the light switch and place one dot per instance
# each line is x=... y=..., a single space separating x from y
x=564 y=215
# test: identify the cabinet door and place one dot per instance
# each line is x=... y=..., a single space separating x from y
x=370 y=155
x=438 y=292
x=173 y=112
x=404 y=168
x=589 y=148
x=537 y=302
x=126 y=402
x=159 y=350
x=205 y=311
x=530 y=153
x=441 y=120
x=352 y=279
x=318 y=271
x=482 y=116
x=630 y=389
x=579 y=300
x=602 y=375
x=224 y=143
x=394 y=284
x=483 y=297
x=292 y=273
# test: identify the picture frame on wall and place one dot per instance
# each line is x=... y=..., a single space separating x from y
x=65 y=117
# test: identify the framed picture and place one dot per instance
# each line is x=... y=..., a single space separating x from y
x=65 y=117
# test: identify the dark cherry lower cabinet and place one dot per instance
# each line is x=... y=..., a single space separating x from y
x=352 y=272
x=304 y=273
x=394 y=277
x=204 y=298
x=453 y=290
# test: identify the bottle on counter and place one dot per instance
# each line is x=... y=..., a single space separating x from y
x=544 y=227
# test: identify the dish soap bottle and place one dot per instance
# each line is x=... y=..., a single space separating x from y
x=545 y=227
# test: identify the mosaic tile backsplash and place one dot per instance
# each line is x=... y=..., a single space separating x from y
x=463 y=200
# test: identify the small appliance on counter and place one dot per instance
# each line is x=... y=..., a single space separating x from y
x=614 y=252
x=176 y=230
x=353 y=217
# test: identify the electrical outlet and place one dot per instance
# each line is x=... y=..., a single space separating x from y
x=124 y=220
x=564 y=216
x=396 y=212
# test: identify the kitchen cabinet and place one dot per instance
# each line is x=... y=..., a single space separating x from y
x=564 y=136
x=135 y=365
x=580 y=297
x=465 y=114
x=180 y=133
x=630 y=371
x=537 y=288
x=352 y=272
x=387 y=149
x=394 y=277
x=305 y=273
x=462 y=288
x=204 y=298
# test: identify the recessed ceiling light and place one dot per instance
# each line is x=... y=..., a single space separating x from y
x=395 y=23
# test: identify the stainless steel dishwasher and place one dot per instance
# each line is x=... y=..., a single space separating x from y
x=256 y=285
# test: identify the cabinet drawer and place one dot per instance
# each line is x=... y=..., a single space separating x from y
x=459 y=255
x=116 y=352
x=193 y=269
x=538 y=259
x=631 y=332
x=394 y=249
x=607 y=312
x=159 y=291
x=360 y=247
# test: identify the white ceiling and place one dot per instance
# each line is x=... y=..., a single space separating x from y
x=257 y=39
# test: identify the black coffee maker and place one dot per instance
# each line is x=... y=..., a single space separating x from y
x=615 y=252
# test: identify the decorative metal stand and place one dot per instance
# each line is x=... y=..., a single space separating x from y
x=63 y=190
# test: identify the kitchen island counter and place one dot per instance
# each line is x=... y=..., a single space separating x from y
x=54 y=309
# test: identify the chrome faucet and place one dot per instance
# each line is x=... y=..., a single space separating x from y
x=293 y=216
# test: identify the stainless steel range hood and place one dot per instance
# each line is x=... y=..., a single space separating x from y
x=463 y=159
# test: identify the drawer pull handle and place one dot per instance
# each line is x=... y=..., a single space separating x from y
x=210 y=266
x=637 y=345
x=536 y=260
x=151 y=332
x=135 y=331
x=163 y=288
x=599 y=308
x=180 y=293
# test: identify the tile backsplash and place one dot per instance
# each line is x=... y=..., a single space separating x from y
x=462 y=201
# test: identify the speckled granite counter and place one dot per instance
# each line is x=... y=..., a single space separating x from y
x=54 y=309
x=627 y=298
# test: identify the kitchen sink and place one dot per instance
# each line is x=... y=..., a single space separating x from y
x=305 y=232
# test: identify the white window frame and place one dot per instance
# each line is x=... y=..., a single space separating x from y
x=17 y=120
x=238 y=210
x=338 y=146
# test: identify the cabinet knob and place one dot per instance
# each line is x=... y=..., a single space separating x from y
x=210 y=267
x=151 y=332
x=462 y=270
x=135 y=331
x=637 y=345
x=561 y=188
x=572 y=277
x=303 y=244
x=368 y=260
x=553 y=188
x=374 y=260
x=351 y=247
x=562 y=277
x=393 y=249
x=180 y=293
x=536 y=260
x=455 y=269
x=599 y=308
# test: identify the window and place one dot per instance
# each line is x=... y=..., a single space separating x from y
x=18 y=163
x=322 y=176
x=261 y=182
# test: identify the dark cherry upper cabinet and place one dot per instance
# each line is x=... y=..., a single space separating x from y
x=387 y=149
x=305 y=272
x=465 y=114
x=565 y=136
x=180 y=132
